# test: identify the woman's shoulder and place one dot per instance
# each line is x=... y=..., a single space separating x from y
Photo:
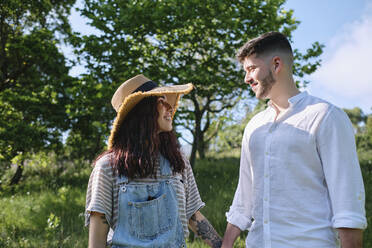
x=187 y=170
x=103 y=164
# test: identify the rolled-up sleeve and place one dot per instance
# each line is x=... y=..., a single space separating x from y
x=337 y=150
x=240 y=211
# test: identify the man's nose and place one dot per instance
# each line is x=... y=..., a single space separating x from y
x=247 y=78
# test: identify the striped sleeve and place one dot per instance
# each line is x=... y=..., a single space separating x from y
x=100 y=191
x=193 y=200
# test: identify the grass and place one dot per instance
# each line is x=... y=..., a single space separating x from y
x=46 y=210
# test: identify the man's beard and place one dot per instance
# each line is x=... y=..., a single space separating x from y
x=265 y=85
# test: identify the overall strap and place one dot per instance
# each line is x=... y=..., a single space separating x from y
x=165 y=168
x=121 y=179
x=165 y=171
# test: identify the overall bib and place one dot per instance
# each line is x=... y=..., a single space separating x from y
x=148 y=213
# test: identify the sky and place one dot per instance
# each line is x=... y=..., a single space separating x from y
x=343 y=26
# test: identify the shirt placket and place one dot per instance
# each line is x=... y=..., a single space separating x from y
x=266 y=188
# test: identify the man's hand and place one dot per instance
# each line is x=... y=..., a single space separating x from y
x=350 y=238
x=231 y=233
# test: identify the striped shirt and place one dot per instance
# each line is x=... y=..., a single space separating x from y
x=103 y=192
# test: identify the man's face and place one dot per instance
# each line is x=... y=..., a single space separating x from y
x=258 y=76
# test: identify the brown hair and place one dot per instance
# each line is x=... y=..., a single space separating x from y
x=264 y=44
x=137 y=144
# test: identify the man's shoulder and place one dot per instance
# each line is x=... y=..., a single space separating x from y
x=257 y=120
x=323 y=110
x=315 y=104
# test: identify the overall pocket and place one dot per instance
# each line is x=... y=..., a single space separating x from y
x=148 y=219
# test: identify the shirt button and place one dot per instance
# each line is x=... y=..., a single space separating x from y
x=265 y=199
x=265 y=221
x=266 y=175
x=266 y=153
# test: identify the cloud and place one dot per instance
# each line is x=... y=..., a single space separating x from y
x=346 y=69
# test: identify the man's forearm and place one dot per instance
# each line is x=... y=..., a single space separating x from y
x=231 y=233
x=350 y=237
x=202 y=228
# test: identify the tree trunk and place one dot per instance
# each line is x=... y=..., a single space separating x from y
x=18 y=174
x=201 y=145
x=196 y=140
x=193 y=153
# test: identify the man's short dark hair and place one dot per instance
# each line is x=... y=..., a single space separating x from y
x=264 y=44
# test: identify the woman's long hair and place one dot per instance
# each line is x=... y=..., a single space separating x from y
x=137 y=144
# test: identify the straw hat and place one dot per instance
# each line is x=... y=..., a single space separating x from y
x=134 y=90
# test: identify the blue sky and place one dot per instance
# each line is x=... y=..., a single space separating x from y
x=344 y=27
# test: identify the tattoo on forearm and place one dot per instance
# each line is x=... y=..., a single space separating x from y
x=103 y=218
x=205 y=230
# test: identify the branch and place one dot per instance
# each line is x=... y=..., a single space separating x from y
x=7 y=82
x=223 y=107
x=4 y=38
x=188 y=142
x=207 y=124
x=219 y=110
x=214 y=132
x=195 y=101
x=216 y=100
x=184 y=111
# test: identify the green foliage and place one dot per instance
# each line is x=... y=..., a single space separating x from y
x=33 y=76
x=91 y=116
x=229 y=136
x=363 y=129
x=178 y=42
x=48 y=209
x=356 y=117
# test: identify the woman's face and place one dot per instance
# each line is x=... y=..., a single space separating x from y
x=165 y=111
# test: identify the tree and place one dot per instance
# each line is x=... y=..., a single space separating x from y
x=357 y=117
x=363 y=128
x=33 y=77
x=177 y=42
x=90 y=117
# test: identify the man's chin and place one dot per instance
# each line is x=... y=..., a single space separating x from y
x=260 y=95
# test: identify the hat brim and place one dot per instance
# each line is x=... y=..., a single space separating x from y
x=173 y=93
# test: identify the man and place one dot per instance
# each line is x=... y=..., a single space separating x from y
x=300 y=183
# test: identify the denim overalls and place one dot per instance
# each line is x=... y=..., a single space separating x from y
x=148 y=213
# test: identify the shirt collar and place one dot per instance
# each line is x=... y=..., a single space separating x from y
x=293 y=100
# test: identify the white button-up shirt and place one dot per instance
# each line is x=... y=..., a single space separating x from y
x=299 y=177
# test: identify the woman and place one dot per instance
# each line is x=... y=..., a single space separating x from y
x=142 y=188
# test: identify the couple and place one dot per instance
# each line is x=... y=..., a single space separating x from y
x=300 y=183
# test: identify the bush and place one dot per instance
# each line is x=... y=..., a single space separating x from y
x=47 y=210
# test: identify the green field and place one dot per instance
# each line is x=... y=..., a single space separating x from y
x=46 y=210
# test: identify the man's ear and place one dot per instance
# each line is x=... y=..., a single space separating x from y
x=277 y=64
